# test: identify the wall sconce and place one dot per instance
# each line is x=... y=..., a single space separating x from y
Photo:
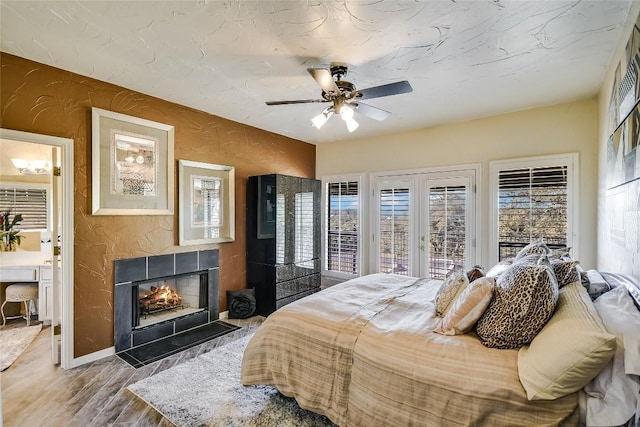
x=32 y=167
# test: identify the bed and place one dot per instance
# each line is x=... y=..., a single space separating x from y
x=363 y=353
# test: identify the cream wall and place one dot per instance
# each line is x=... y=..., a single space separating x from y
x=564 y=128
x=611 y=256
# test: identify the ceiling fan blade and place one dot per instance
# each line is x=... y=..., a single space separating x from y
x=384 y=90
x=324 y=78
x=297 y=101
x=371 y=112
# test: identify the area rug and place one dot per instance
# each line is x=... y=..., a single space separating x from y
x=206 y=391
x=14 y=341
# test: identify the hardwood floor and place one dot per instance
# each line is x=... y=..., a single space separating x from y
x=37 y=393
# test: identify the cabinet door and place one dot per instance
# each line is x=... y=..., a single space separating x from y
x=45 y=295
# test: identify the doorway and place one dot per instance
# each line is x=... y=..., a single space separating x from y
x=424 y=221
x=62 y=216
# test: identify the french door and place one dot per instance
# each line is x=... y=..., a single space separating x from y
x=424 y=223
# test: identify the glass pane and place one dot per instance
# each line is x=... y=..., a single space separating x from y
x=30 y=202
x=532 y=203
x=342 y=227
x=394 y=231
x=447 y=229
x=304 y=230
x=280 y=228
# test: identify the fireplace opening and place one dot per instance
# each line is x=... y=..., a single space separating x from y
x=168 y=298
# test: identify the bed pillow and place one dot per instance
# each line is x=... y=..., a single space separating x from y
x=467 y=308
x=499 y=268
x=524 y=299
x=569 y=351
x=476 y=272
x=565 y=271
x=536 y=247
x=452 y=286
x=560 y=253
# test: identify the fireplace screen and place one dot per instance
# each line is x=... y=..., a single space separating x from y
x=166 y=299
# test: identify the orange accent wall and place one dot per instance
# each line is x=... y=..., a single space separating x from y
x=41 y=99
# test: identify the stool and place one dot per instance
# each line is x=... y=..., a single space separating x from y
x=20 y=292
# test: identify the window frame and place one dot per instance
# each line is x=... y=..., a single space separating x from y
x=33 y=186
x=362 y=218
x=572 y=163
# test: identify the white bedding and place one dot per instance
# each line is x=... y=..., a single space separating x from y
x=612 y=398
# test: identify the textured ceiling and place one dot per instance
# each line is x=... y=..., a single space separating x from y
x=464 y=59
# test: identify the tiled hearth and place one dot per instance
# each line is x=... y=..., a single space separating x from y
x=139 y=345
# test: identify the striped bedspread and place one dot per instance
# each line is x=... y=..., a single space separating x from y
x=363 y=354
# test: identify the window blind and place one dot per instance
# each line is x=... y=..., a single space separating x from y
x=30 y=202
x=532 y=203
x=342 y=227
x=447 y=229
x=394 y=230
x=280 y=228
x=304 y=214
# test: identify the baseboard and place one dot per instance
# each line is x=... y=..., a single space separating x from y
x=92 y=357
x=224 y=315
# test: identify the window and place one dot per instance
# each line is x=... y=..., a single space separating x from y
x=30 y=201
x=447 y=228
x=533 y=198
x=342 y=243
x=393 y=244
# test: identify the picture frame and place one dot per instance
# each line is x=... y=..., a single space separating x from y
x=206 y=199
x=132 y=165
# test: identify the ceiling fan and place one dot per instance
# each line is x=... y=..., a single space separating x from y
x=345 y=98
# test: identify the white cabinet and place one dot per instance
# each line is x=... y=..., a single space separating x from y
x=16 y=267
x=45 y=294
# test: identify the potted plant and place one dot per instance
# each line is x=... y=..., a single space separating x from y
x=10 y=237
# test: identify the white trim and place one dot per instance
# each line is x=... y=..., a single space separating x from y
x=67 y=213
x=572 y=161
x=447 y=169
x=92 y=357
x=362 y=218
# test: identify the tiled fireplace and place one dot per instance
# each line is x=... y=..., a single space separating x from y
x=164 y=295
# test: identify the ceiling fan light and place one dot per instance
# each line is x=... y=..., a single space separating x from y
x=346 y=112
x=352 y=124
x=20 y=163
x=319 y=120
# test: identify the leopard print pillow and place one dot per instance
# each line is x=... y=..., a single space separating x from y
x=535 y=247
x=524 y=300
x=560 y=253
x=452 y=286
x=565 y=271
